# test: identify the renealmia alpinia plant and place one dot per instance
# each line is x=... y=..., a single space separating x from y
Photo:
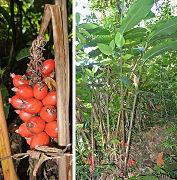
x=109 y=90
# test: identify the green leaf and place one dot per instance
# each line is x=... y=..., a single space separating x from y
x=23 y=53
x=135 y=14
x=5 y=14
x=127 y=56
x=119 y=40
x=77 y=17
x=88 y=26
x=95 y=68
x=84 y=32
x=159 y=49
x=149 y=15
x=94 y=42
x=163 y=29
x=99 y=31
x=105 y=48
x=106 y=62
x=94 y=53
x=81 y=37
x=115 y=141
x=112 y=44
x=78 y=47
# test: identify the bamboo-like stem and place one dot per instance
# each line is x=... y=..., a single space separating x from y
x=5 y=149
x=92 y=136
x=107 y=104
x=129 y=133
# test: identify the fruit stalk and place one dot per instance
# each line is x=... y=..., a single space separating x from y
x=5 y=150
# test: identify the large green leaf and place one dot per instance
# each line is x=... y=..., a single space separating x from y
x=105 y=48
x=159 y=49
x=164 y=29
x=135 y=14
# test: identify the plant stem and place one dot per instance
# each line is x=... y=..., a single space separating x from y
x=107 y=104
x=129 y=134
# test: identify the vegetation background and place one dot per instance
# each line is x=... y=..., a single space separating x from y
x=126 y=90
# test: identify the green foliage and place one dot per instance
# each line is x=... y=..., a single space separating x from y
x=160 y=49
x=116 y=60
x=135 y=14
x=5 y=97
x=23 y=53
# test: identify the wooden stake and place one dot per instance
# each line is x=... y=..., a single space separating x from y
x=5 y=149
x=61 y=50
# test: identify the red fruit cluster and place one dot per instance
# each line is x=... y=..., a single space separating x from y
x=36 y=106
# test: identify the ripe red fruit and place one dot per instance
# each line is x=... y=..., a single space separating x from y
x=17 y=80
x=16 y=102
x=48 y=66
x=40 y=90
x=35 y=124
x=24 y=115
x=41 y=139
x=51 y=129
x=50 y=99
x=33 y=106
x=24 y=91
x=23 y=131
x=48 y=113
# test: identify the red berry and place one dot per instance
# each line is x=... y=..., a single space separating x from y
x=40 y=90
x=48 y=66
x=48 y=113
x=24 y=91
x=41 y=139
x=36 y=124
x=17 y=80
x=50 y=99
x=16 y=102
x=23 y=131
x=51 y=129
x=33 y=106
x=24 y=115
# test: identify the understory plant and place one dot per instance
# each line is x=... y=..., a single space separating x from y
x=125 y=71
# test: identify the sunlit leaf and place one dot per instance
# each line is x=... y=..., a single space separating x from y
x=135 y=14
x=164 y=29
x=88 y=26
x=112 y=44
x=119 y=40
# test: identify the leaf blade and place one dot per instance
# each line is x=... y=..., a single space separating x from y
x=135 y=14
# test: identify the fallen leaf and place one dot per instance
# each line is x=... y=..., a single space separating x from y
x=160 y=160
